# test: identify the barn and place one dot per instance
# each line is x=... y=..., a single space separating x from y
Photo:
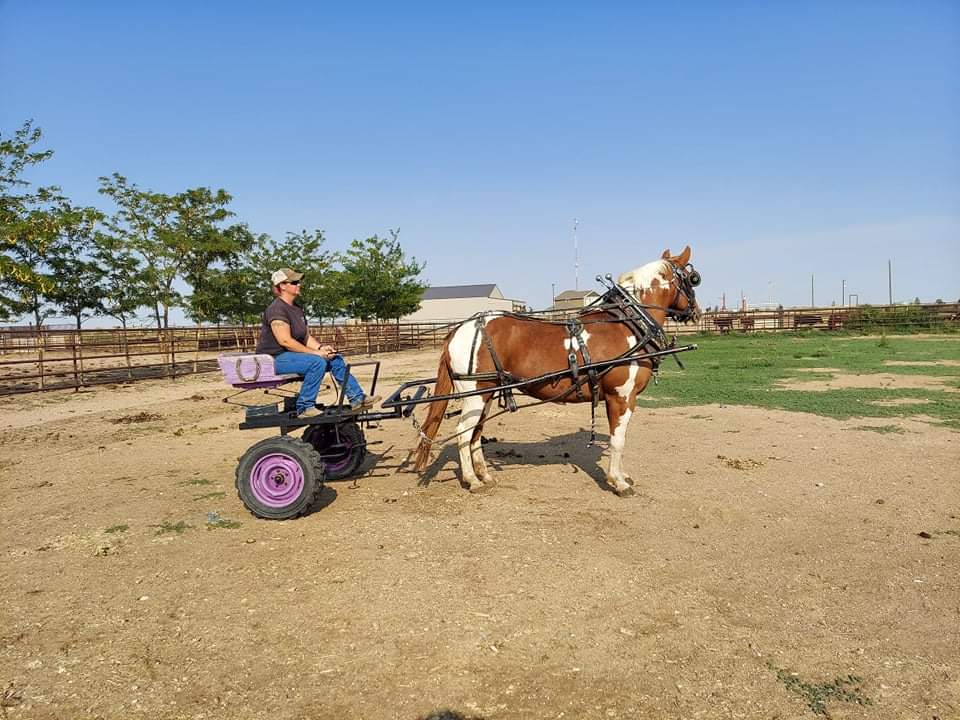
x=455 y=302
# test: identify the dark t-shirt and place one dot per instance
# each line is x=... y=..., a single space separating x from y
x=290 y=314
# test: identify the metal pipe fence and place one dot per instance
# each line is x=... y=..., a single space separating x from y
x=54 y=359
x=36 y=360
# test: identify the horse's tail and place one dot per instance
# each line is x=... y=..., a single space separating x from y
x=435 y=415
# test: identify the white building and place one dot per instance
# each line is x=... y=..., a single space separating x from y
x=456 y=302
x=573 y=299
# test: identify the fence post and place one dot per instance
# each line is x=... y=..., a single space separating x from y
x=76 y=377
x=40 y=363
x=196 y=357
x=172 y=339
x=80 y=343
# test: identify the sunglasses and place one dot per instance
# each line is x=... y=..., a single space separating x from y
x=291 y=282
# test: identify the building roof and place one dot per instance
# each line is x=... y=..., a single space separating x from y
x=575 y=294
x=449 y=292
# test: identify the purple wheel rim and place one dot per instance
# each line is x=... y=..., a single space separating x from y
x=347 y=451
x=276 y=480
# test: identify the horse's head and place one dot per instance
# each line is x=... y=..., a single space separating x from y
x=667 y=283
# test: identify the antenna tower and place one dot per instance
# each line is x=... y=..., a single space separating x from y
x=576 y=257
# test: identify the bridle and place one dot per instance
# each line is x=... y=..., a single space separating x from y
x=687 y=278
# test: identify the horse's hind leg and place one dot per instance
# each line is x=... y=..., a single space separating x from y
x=476 y=446
x=470 y=417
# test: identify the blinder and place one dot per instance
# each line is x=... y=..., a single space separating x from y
x=687 y=279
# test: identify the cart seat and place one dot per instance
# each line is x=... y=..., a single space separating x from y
x=249 y=371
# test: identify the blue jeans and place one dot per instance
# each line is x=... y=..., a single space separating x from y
x=313 y=368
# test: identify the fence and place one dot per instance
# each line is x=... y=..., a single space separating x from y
x=32 y=361
x=58 y=359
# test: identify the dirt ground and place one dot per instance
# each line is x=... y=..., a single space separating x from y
x=766 y=555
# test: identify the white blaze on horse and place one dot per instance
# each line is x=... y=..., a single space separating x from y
x=492 y=350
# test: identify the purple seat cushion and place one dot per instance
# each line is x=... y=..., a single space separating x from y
x=252 y=370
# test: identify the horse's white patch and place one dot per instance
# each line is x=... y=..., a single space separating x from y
x=460 y=353
x=642 y=278
x=620 y=435
x=627 y=388
x=573 y=343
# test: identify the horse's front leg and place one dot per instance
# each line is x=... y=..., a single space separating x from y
x=476 y=445
x=471 y=415
x=619 y=411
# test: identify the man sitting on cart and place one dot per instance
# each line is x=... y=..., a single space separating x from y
x=285 y=336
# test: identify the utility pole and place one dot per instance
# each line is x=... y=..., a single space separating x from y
x=812 y=304
x=843 y=293
x=890 y=281
x=553 y=294
x=576 y=257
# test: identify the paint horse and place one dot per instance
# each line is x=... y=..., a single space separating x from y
x=496 y=349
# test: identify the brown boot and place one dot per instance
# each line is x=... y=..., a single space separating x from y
x=367 y=403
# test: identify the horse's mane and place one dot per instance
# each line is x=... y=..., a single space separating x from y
x=640 y=278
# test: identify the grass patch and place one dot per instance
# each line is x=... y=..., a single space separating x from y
x=117 y=529
x=210 y=495
x=725 y=370
x=167 y=527
x=934 y=533
x=215 y=521
x=882 y=429
x=816 y=696
x=141 y=417
x=198 y=481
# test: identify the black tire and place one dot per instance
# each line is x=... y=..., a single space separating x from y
x=279 y=478
x=340 y=460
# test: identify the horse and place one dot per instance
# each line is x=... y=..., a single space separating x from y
x=496 y=348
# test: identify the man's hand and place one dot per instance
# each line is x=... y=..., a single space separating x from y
x=327 y=352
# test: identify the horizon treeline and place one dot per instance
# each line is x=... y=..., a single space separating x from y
x=60 y=259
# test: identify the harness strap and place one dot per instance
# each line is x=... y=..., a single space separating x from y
x=503 y=378
x=575 y=329
x=473 y=344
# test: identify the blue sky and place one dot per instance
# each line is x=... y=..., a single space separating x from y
x=779 y=140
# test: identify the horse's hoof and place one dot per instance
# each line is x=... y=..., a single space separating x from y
x=479 y=488
x=625 y=492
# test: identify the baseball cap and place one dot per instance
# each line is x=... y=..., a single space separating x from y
x=284 y=275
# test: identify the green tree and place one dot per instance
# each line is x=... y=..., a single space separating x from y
x=76 y=277
x=178 y=236
x=123 y=277
x=303 y=252
x=28 y=227
x=144 y=221
x=197 y=226
x=239 y=292
x=378 y=280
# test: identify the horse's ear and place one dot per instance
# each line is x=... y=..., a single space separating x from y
x=666 y=254
x=684 y=257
